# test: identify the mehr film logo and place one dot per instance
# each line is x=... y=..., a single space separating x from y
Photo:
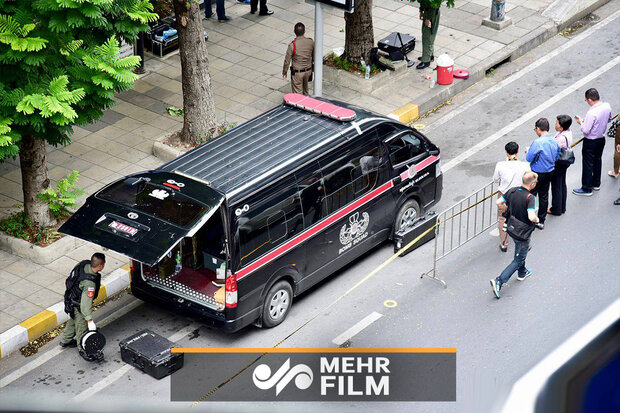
x=315 y=374
x=346 y=376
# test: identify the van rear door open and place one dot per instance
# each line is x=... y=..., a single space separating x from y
x=145 y=215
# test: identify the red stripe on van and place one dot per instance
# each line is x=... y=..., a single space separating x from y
x=320 y=226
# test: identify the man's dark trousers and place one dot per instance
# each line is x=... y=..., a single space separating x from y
x=592 y=153
x=518 y=262
x=219 y=9
x=263 y=6
x=542 y=191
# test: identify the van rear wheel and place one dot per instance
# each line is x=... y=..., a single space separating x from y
x=277 y=304
x=408 y=213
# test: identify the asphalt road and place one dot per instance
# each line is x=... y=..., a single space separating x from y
x=575 y=263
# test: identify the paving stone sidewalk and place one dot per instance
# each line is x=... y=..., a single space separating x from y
x=246 y=56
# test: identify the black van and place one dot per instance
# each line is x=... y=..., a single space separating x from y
x=237 y=227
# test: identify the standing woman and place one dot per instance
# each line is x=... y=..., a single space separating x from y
x=616 y=171
x=564 y=137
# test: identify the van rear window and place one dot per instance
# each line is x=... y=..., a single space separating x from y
x=140 y=194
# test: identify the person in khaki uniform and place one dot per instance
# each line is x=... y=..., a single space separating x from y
x=80 y=298
x=299 y=57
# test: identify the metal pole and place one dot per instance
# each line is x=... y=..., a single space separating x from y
x=140 y=52
x=318 y=49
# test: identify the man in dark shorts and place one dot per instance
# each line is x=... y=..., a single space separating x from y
x=522 y=206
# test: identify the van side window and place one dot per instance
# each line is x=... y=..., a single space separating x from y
x=405 y=147
x=312 y=194
x=351 y=175
x=269 y=223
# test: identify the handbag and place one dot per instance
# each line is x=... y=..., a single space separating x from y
x=613 y=128
x=567 y=156
x=518 y=230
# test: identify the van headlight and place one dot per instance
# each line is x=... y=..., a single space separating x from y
x=438 y=169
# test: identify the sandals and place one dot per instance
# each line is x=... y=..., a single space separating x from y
x=613 y=175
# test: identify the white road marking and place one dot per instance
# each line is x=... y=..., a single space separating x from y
x=10 y=378
x=362 y=324
x=45 y=357
x=532 y=113
x=117 y=374
x=518 y=75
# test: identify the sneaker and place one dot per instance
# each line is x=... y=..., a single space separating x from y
x=527 y=274
x=496 y=287
x=267 y=13
x=596 y=188
x=71 y=343
x=224 y=19
x=581 y=192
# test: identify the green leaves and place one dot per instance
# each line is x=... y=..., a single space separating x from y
x=64 y=197
x=60 y=65
x=112 y=70
x=15 y=35
x=55 y=104
x=8 y=139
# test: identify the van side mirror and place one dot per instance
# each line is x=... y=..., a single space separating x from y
x=434 y=151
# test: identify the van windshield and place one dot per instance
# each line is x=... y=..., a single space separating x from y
x=164 y=203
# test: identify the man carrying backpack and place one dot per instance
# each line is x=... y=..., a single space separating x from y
x=82 y=288
x=521 y=205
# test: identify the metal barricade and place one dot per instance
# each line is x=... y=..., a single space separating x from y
x=462 y=222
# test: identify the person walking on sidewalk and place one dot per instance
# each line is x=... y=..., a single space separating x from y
x=299 y=57
x=614 y=173
x=79 y=298
x=542 y=156
x=264 y=11
x=219 y=9
x=522 y=207
x=564 y=138
x=508 y=174
x=593 y=128
x=430 y=25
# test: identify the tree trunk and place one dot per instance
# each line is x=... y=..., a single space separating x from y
x=359 y=35
x=198 y=105
x=32 y=158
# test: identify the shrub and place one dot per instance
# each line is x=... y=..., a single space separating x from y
x=64 y=197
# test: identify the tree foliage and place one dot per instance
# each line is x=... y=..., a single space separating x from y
x=60 y=65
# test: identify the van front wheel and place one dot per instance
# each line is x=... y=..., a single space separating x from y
x=408 y=213
x=277 y=304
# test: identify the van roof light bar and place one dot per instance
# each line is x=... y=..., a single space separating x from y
x=321 y=108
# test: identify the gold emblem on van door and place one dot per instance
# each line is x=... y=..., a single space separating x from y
x=355 y=229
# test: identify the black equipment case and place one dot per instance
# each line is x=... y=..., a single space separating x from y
x=402 y=238
x=392 y=43
x=150 y=353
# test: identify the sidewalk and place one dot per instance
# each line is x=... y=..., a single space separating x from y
x=246 y=56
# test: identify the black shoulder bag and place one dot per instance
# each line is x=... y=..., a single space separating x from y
x=567 y=156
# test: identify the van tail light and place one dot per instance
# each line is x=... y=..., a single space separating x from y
x=132 y=265
x=231 y=291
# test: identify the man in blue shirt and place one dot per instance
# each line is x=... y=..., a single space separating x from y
x=542 y=156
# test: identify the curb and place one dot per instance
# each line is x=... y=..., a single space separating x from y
x=39 y=255
x=53 y=316
x=435 y=97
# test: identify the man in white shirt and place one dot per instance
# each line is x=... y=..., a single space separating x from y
x=509 y=174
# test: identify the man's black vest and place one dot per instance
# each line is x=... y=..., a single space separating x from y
x=73 y=293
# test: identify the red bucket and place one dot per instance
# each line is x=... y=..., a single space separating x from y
x=445 y=70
